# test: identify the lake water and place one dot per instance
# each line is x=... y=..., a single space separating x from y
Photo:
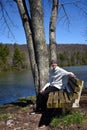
x=14 y=85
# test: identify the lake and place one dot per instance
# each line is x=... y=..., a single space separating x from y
x=14 y=85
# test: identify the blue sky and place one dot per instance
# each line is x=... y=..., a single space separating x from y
x=74 y=34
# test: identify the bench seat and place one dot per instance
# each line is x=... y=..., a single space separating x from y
x=67 y=98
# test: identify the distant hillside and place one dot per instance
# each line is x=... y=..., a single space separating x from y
x=60 y=47
x=67 y=53
x=71 y=48
x=72 y=54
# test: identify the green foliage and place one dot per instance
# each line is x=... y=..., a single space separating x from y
x=4 y=52
x=18 y=58
x=10 y=60
x=71 y=59
x=74 y=118
x=4 y=116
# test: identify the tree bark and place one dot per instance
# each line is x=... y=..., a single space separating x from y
x=53 y=47
x=34 y=30
x=26 y=23
x=40 y=46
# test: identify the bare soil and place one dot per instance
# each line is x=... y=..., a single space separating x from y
x=23 y=120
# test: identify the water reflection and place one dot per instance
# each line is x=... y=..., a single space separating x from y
x=15 y=85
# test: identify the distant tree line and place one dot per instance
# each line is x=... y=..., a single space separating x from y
x=18 y=58
x=4 y=52
x=72 y=59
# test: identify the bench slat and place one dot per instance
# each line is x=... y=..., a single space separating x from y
x=65 y=99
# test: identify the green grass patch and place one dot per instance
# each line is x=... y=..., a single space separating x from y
x=4 y=116
x=67 y=120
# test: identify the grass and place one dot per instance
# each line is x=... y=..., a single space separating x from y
x=21 y=104
x=70 y=119
x=4 y=116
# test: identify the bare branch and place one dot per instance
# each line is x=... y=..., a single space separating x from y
x=75 y=3
x=66 y=15
x=80 y=8
x=4 y=18
x=11 y=21
x=80 y=5
x=72 y=2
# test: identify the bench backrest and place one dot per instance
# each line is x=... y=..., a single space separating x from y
x=67 y=98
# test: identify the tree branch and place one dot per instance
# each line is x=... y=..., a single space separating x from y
x=60 y=4
x=80 y=9
x=5 y=20
x=66 y=15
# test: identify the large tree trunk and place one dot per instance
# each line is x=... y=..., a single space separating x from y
x=53 y=47
x=37 y=47
x=26 y=23
x=40 y=46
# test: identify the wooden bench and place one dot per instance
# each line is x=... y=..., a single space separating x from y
x=67 y=98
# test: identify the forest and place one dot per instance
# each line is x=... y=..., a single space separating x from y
x=16 y=57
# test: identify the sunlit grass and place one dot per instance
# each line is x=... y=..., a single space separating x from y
x=67 y=120
x=7 y=115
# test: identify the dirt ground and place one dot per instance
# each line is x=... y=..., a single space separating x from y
x=23 y=120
